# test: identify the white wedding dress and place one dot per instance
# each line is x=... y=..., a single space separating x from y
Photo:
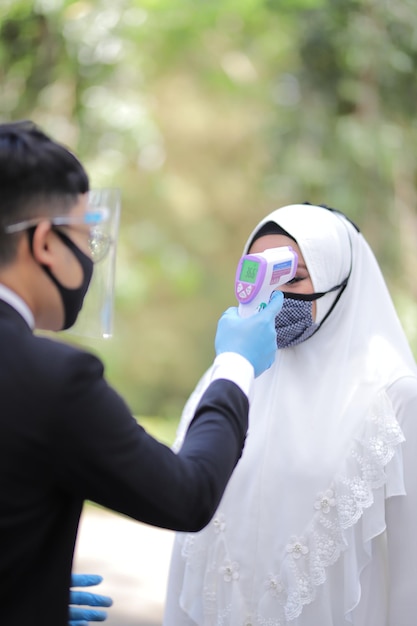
x=318 y=524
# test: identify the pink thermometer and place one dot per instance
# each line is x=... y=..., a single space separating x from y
x=258 y=275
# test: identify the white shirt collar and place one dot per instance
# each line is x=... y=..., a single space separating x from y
x=18 y=304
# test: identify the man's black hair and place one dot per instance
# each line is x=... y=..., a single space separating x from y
x=38 y=177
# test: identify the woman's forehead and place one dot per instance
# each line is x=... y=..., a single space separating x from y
x=275 y=241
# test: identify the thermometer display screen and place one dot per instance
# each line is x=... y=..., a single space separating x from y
x=249 y=271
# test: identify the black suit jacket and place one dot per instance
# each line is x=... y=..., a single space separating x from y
x=67 y=436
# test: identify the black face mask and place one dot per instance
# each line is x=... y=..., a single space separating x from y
x=72 y=299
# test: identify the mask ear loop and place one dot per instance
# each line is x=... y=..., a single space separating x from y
x=309 y=297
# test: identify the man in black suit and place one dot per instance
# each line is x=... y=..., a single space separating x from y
x=65 y=435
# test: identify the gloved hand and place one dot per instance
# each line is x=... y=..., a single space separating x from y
x=81 y=616
x=252 y=337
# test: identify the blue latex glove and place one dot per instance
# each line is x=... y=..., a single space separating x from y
x=82 y=616
x=252 y=337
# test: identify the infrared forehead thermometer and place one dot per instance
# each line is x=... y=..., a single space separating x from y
x=258 y=275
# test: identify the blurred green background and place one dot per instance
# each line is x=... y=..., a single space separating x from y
x=208 y=115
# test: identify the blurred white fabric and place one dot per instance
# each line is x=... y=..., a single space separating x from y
x=133 y=559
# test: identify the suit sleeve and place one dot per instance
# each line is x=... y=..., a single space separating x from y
x=103 y=455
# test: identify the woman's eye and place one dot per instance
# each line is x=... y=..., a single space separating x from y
x=294 y=280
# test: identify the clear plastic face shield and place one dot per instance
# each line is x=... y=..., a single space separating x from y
x=102 y=216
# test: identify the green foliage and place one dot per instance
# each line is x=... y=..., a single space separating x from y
x=208 y=115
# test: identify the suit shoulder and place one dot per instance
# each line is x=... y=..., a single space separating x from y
x=57 y=359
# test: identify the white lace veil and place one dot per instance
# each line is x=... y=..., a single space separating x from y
x=322 y=432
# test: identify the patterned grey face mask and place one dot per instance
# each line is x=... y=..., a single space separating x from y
x=294 y=323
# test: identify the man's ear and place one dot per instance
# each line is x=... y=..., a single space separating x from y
x=42 y=244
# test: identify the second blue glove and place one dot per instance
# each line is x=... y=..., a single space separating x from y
x=82 y=616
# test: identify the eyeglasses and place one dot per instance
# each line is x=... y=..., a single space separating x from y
x=99 y=242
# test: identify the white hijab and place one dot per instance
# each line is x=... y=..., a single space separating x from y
x=322 y=431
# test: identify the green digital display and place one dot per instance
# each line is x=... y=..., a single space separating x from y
x=249 y=271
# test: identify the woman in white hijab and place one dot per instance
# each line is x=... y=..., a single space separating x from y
x=318 y=523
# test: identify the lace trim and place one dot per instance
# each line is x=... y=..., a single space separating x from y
x=339 y=508
x=336 y=509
